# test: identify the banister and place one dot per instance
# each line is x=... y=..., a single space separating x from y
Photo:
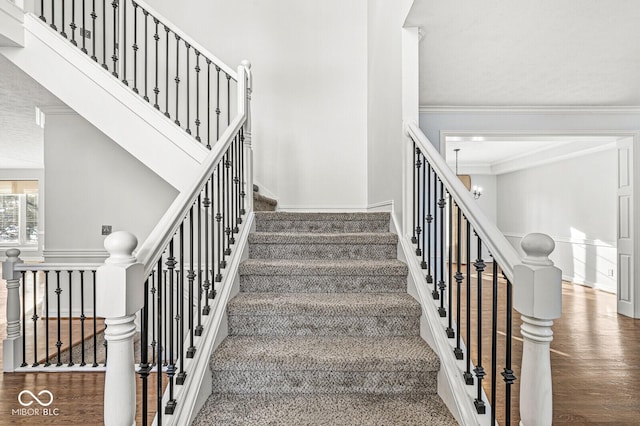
x=155 y=244
x=213 y=58
x=500 y=248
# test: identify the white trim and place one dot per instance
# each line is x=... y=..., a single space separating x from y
x=264 y=190
x=553 y=110
x=76 y=253
x=321 y=209
x=382 y=206
x=57 y=110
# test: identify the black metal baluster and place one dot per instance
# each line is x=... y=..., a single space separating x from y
x=188 y=129
x=144 y=369
x=479 y=370
x=197 y=96
x=437 y=238
x=423 y=214
x=70 y=319
x=34 y=318
x=458 y=350
x=243 y=181
x=430 y=236
x=72 y=25
x=212 y=292
x=156 y=89
x=159 y=320
x=84 y=29
x=217 y=102
x=154 y=303
x=416 y=190
x=198 y=330
x=104 y=35
x=59 y=342
x=234 y=186
x=191 y=350
x=124 y=43
x=134 y=47
x=146 y=61
x=95 y=325
x=507 y=374
x=114 y=57
x=180 y=378
x=494 y=339
x=209 y=106
x=221 y=261
x=441 y=284
x=237 y=180
x=53 y=16
x=228 y=99
x=93 y=30
x=206 y=203
x=46 y=318
x=62 y=32
x=416 y=214
x=166 y=77
x=24 y=319
x=82 y=317
x=177 y=79
x=171 y=368
x=450 y=333
x=42 y=11
x=227 y=212
x=468 y=377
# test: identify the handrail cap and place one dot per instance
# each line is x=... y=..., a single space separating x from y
x=246 y=63
x=537 y=248
x=120 y=246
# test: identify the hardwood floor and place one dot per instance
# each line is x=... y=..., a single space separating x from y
x=595 y=360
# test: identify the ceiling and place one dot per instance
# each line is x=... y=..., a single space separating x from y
x=21 y=139
x=495 y=154
x=528 y=53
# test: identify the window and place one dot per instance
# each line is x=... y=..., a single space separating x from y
x=18 y=212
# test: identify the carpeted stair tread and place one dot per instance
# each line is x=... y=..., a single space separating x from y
x=322 y=222
x=323 y=304
x=372 y=354
x=323 y=409
x=308 y=238
x=291 y=216
x=382 y=267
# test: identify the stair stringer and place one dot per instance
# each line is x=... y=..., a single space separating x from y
x=108 y=104
x=457 y=396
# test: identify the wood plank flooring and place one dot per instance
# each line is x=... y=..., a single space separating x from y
x=595 y=360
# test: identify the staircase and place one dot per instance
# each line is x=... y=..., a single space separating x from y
x=323 y=331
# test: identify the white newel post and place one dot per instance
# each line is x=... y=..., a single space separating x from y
x=12 y=345
x=538 y=297
x=248 y=150
x=119 y=295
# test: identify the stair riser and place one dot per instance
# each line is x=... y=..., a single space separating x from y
x=322 y=226
x=322 y=251
x=323 y=284
x=334 y=382
x=302 y=325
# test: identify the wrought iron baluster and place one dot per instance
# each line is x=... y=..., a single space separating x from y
x=135 y=48
x=209 y=105
x=144 y=368
x=42 y=17
x=468 y=377
x=154 y=303
x=188 y=129
x=237 y=181
x=159 y=320
x=177 y=79
x=34 y=318
x=146 y=57
x=166 y=78
x=198 y=330
x=458 y=349
x=104 y=35
x=46 y=318
x=95 y=325
x=227 y=213
x=441 y=284
x=72 y=25
x=124 y=43
x=479 y=370
x=450 y=333
x=243 y=182
x=197 y=96
x=220 y=236
x=217 y=102
x=59 y=342
x=436 y=237
x=84 y=29
x=423 y=214
x=416 y=190
x=228 y=99
x=70 y=273
x=82 y=317
x=192 y=275
x=507 y=374
x=181 y=376
x=62 y=32
x=114 y=57
x=93 y=30
x=171 y=368
x=24 y=319
x=53 y=16
x=156 y=89
x=494 y=338
x=418 y=230
x=430 y=236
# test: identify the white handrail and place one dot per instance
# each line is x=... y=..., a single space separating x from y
x=501 y=250
x=57 y=266
x=153 y=247
x=197 y=46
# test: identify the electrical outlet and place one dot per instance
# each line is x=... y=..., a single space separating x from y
x=610 y=272
x=106 y=229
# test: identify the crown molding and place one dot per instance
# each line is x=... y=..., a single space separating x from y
x=487 y=109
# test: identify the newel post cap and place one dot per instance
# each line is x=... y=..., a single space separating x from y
x=246 y=63
x=119 y=282
x=13 y=257
x=537 y=283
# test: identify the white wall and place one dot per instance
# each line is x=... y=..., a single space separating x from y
x=384 y=101
x=309 y=102
x=91 y=181
x=574 y=201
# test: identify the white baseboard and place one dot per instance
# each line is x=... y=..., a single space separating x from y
x=382 y=206
x=264 y=190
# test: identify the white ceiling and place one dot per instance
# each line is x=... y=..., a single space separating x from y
x=528 y=53
x=492 y=154
x=21 y=139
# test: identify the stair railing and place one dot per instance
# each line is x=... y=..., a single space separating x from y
x=164 y=66
x=474 y=299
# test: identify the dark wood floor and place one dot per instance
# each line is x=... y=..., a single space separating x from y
x=595 y=360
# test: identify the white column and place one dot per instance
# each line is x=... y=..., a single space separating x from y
x=248 y=149
x=119 y=295
x=12 y=345
x=538 y=297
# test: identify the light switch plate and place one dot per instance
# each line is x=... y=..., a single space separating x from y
x=106 y=229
